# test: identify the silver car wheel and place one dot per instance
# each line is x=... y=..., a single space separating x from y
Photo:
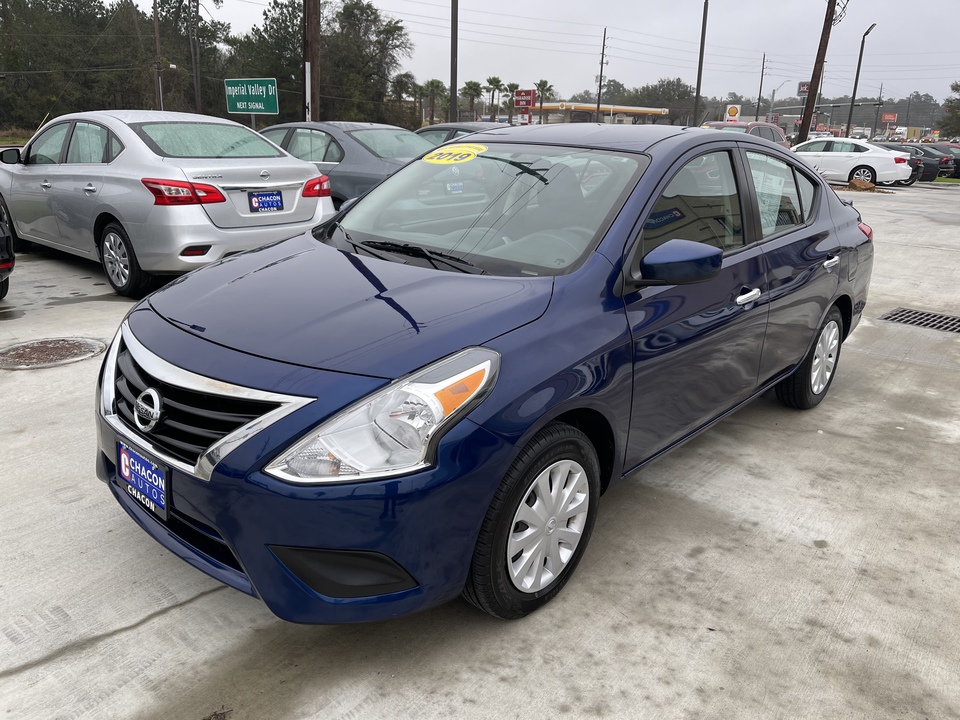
x=548 y=526
x=864 y=174
x=824 y=357
x=115 y=259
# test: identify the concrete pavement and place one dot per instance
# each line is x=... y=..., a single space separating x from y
x=783 y=565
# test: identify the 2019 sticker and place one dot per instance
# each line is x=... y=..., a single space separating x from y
x=454 y=154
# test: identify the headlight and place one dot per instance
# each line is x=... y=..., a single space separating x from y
x=393 y=431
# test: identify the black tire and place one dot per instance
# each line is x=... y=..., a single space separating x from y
x=557 y=451
x=862 y=172
x=4 y=287
x=811 y=381
x=907 y=183
x=120 y=263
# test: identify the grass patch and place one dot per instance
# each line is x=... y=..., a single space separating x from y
x=14 y=136
x=955 y=181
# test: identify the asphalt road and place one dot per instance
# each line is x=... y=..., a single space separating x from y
x=783 y=565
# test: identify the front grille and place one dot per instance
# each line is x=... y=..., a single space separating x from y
x=190 y=421
x=935 y=321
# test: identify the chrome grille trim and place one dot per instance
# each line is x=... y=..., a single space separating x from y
x=173 y=375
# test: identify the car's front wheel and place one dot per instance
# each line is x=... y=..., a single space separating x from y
x=120 y=262
x=809 y=383
x=537 y=526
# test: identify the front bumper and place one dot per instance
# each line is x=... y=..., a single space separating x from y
x=327 y=553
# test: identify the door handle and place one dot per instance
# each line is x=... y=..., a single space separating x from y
x=89 y=188
x=831 y=262
x=46 y=185
x=748 y=297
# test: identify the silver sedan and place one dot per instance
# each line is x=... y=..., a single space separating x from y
x=156 y=193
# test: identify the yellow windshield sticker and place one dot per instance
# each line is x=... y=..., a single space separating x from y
x=453 y=154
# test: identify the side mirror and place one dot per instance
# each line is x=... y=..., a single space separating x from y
x=679 y=262
x=10 y=156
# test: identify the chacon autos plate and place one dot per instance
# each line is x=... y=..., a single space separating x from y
x=144 y=480
x=265 y=201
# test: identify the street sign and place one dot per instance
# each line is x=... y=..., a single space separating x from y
x=252 y=96
x=888 y=117
x=524 y=98
x=803 y=88
x=732 y=113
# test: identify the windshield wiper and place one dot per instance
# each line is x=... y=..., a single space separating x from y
x=431 y=256
x=520 y=166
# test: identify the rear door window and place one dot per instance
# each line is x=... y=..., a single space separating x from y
x=310 y=145
x=89 y=144
x=778 y=200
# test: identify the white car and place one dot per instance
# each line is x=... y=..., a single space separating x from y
x=156 y=193
x=845 y=159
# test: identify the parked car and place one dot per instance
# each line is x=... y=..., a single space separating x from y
x=846 y=160
x=765 y=130
x=156 y=193
x=859 y=136
x=931 y=166
x=476 y=350
x=7 y=257
x=950 y=150
x=444 y=132
x=354 y=155
x=928 y=139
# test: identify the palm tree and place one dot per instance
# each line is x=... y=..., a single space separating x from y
x=494 y=85
x=402 y=85
x=433 y=89
x=510 y=89
x=472 y=91
x=543 y=88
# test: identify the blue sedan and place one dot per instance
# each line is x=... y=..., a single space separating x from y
x=427 y=396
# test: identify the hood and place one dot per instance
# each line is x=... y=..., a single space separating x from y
x=302 y=302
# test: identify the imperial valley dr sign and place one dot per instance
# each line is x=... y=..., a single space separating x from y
x=252 y=96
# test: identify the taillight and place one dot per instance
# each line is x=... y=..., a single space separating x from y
x=318 y=187
x=866 y=230
x=944 y=161
x=178 y=192
x=899 y=160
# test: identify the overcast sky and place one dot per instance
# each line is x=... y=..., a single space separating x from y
x=560 y=41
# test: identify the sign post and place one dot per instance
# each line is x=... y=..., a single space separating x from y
x=253 y=96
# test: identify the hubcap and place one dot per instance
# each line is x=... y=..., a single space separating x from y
x=115 y=259
x=824 y=357
x=548 y=526
x=862 y=175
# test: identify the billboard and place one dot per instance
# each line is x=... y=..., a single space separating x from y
x=888 y=117
x=732 y=113
x=803 y=88
x=524 y=98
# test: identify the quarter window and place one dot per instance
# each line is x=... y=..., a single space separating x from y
x=777 y=198
x=701 y=203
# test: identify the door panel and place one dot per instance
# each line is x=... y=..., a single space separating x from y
x=32 y=203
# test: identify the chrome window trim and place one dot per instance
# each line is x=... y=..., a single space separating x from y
x=169 y=373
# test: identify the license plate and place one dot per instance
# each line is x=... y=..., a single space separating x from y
x=455 y=188
x=265 y=201
x=142 y=479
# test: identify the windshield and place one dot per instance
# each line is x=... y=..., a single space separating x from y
x=499 y=208
x=393 y=143
x=203 y=140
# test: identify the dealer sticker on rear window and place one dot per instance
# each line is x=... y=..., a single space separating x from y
x=453 y=154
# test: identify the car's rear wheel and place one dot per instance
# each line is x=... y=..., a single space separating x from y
x=4 y=287
x=864 y=173
x=537 y=526
x=809 y=383
x=120 y=262
x=907 y=183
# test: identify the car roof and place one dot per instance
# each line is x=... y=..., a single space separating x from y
x=589 y=135
x=345 y=126
x=137 y=116
x=467 y=125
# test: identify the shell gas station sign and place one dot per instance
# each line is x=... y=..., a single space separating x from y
x=732 y=113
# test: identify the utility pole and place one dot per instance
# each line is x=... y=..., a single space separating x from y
x=195 y=50
x=906 y=121
x=811 y=103
x=876 y=119
x=703 y=40
x=856 y=79
x=454 y=105
x=157 y=83
x=603 y=57
x=311 y=57
x=763 y=67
